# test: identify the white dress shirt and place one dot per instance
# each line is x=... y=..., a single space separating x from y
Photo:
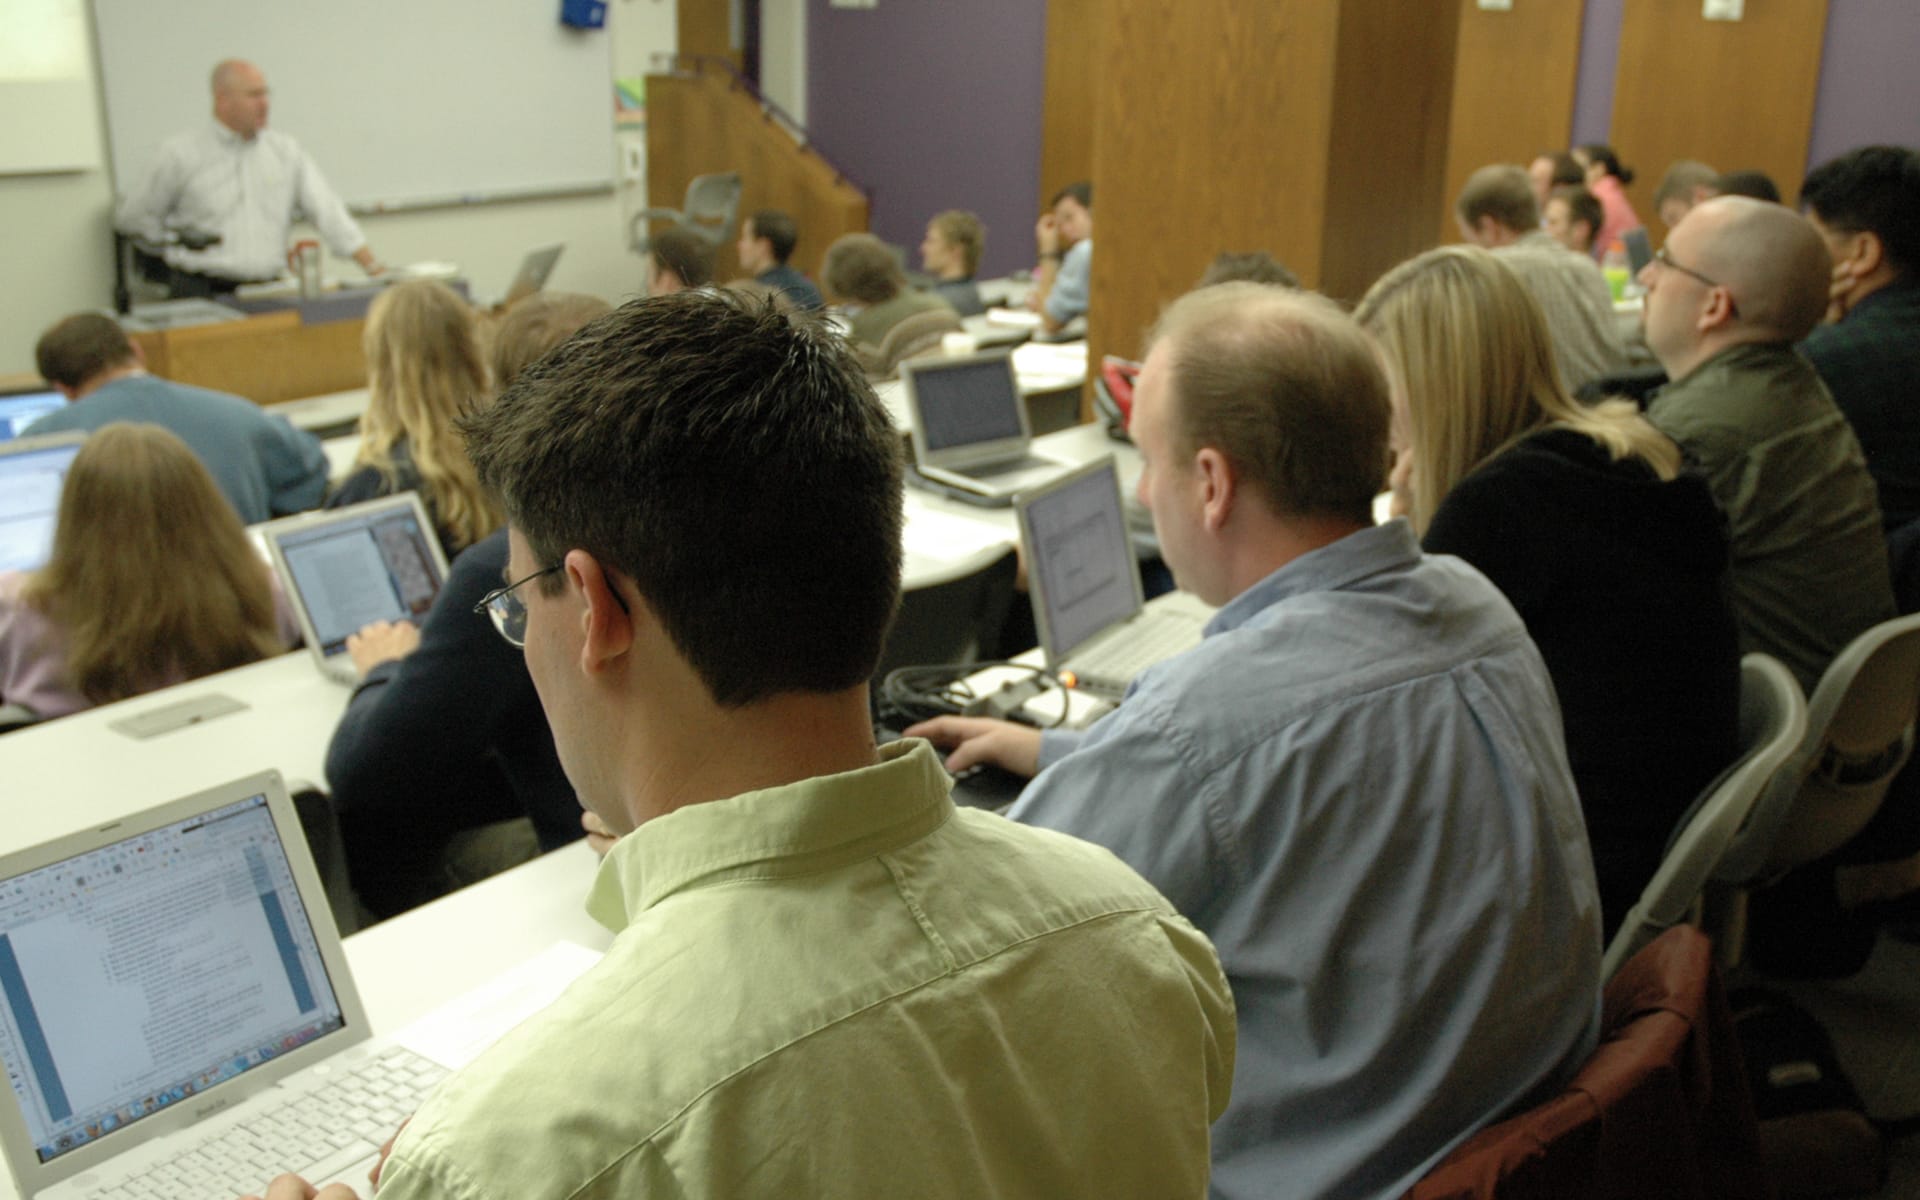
x=247 y=190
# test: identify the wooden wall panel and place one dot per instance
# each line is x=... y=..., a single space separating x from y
x=1385 y=168
x=701 y=123
x=1513 y=86
x=706 y=27
x=1066 y=126
x=267 y=358
x=1736 y=94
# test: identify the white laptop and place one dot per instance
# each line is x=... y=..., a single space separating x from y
x=969 y=427
x=1094 y=628
x=177 y=1018
x=534 y=270
x=32 y=472
x=348 y=567
x=24 y=408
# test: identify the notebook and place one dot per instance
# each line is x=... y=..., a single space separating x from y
x=1084 y=580
x=349 y=567
x=32 y=471
x=24 y=408
x=534 y=270
x=176 y=1014
x=969 y=429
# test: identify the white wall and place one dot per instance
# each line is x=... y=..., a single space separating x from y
x=57 y=239
x=783 y=55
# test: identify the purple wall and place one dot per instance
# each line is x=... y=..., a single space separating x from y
x=1599 y=59
x=933 y=104
x=1869 y=90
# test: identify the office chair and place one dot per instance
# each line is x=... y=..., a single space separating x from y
x=916 y=336
x=712 y=204
x=1773 y=722
x=1860 y=731
x=956 y=619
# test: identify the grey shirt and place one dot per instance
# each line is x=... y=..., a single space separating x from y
x=1357 y=787
x=1573 y=294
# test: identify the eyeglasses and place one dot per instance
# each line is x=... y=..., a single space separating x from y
x=1666 y=263
x=508 y=612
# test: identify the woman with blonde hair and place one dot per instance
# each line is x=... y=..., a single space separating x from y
x=1613 y=555
x=424 y=370
x=152 y=582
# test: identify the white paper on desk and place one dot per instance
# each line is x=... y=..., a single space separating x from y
x=455 y=1033
x=1025 y=318
x=941 y=537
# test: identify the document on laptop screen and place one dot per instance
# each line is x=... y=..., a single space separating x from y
x=350 y=576
x=30 y=504
x=1083 y=555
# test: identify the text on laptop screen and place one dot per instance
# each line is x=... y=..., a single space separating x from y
x=351 y=573
x=30 y=504
x=967 y=404
x=142 y=973
x=1086 y=563
x=18 y=412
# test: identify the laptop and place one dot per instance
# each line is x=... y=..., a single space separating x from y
x=1639 y=250
x=348 y=567
x=176 y=1013
x=1084 y=580
x=24 y=408
x=32 y=472
x=970 y=431
x=534 y=270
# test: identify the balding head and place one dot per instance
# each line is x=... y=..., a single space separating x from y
x=239 y=96
x=1772 y=258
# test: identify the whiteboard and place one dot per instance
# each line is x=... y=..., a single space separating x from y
x=402 y=103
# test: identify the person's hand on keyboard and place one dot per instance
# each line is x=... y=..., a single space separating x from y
x=292 y=1187
x=982 y=741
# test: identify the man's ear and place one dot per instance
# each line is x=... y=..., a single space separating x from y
x=606 y=625
x=1219 y=487
x=1718 y=312
x=1866 y=254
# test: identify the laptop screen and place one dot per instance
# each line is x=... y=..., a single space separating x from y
x=18 y=412
x=1087 y=577
x=967 y=403
x=30 y=480
x=141 y=973
x=375 y=566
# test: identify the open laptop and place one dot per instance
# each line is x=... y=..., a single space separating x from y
x=969 y=428
x=1639 y=251
x=1094 y=627
x=349 y=567
x=22 y=409
x=32 y=472
x=534 y=270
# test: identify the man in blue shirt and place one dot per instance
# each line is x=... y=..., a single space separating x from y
x=1356 y=785
x=1063 y=237
x=767 y=239
x=263 y=464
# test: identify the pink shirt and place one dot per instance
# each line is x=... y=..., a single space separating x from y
x=33 y=651
x=1616 y=213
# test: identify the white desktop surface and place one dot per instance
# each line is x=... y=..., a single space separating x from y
x=340 y=452
x=72 y=772
x=321 y=412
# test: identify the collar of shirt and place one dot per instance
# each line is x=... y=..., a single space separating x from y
x=1330 y=568
x=227 y=137
x=1900 y=291
x=810 y=826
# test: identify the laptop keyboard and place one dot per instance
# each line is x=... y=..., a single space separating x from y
x=316 y=1134
x=1109 y=667
x=1026 y=462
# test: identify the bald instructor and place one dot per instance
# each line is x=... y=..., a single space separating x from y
x=236 y=178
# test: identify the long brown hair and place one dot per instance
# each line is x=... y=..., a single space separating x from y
x=152 y=578
x=425 y=370
x=1470 y=349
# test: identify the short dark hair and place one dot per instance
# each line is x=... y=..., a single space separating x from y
x=1582 y=205
x=1252 y=266
x=780 y=230
x=80 y=347
x=1757 y=184
x=733 y=462
x=1502 y=192
x=1081 y=192
x=1566 y=168
x=1874 y=189
x=686 y=254
x=859 y=267
x=1600 y=152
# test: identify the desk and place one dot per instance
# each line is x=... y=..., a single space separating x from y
x=340 y=452
x=266 y=358
x=72 y=772
x=326 y=415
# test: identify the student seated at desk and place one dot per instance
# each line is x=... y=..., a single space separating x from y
x=951 y=254
x=891 y=322
x=424 y=369
x=678 y=259
x=152 y=582
x=442 y=768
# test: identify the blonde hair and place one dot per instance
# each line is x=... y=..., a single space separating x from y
x=424 y=371
x=964 y=231
x=152 y=578
x=1469 y=346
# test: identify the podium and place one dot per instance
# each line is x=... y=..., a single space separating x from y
x=266 y=359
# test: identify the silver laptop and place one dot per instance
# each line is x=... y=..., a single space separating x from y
x=349 y=567
x=159 y=971
x=969 y=427
x=1094 y=628
x=534 y=270
x=32 y=472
